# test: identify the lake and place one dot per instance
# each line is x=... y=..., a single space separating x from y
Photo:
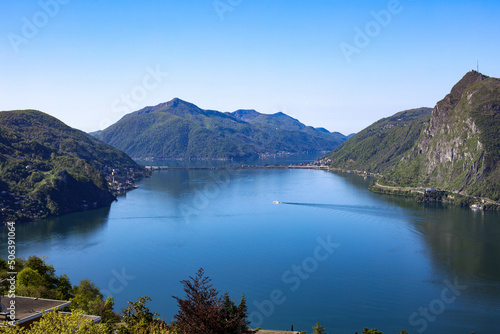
x=331 y=252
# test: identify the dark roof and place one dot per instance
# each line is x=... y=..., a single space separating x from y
x=28 y=308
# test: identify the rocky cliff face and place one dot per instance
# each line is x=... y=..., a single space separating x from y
x=459 y=148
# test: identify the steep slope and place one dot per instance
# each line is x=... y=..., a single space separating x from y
x=379 y=147
x=459 y=149
x=178 y=129
x=48 y=168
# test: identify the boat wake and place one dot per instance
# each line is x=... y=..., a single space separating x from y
x=353 y=209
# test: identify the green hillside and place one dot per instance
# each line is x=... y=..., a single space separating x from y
x=455 y=149
x=48 y=168
x=381 y=146
x=459 y=150
x=178 y=129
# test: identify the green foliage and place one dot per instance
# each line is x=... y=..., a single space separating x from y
x=36 y=278
x=28 y=277
x=178 y=129
x=64 y=289
x=55 y=322
x=235 y=317
x=139 y=319
x=318 y=329
x=379 y=147
x=29 y=283
x=87 y=298
x=51 y=168
x=456 y=149
x=371 y=331
x=465 y=127
x=375 y=331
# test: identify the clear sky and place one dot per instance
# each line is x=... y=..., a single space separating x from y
x=333 y=63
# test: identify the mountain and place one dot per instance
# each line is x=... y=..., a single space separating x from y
x=379 y=147
x=48 y=168
x=459 y=149
x=455 y=149
x=179 y=129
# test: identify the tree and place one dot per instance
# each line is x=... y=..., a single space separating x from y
x=29 y=283
x=36 y=278
x=200 y=311
x=29 y=277
x=137 y=317
x=53 y=322
x=204 y=312
x=47 y=271
x=64 y=288
x=87 y=298
x=235 y=317
x=318 y=329
x=371 y=331
x=107 y=313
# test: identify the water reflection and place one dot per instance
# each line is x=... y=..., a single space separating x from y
x=461 y=242
x=78 y=226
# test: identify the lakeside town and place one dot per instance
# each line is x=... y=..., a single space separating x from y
x=24 y=207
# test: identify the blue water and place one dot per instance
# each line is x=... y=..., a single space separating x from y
x=331 y=252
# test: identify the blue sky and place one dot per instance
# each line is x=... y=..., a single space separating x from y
x=90 y=62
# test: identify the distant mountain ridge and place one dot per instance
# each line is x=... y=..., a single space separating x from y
x=179 y=129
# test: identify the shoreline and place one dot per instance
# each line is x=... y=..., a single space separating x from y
x=422 y=195
x=431 y=195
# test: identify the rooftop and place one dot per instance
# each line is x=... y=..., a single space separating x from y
x=28 y=308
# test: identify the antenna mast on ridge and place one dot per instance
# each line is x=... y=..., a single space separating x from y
x=478 y=65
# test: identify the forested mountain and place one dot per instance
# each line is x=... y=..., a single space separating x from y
x=48 y=168
x=456 y=148
x=459 y=149
x=178 y=129
x=381 y=146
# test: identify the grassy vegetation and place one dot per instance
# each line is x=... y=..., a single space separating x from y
x=379 y=147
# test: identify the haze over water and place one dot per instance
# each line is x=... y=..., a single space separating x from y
x=332 y=252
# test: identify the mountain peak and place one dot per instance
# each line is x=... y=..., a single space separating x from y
x=246 y=114
x=179 y=129
x=469 y=79
x=175 y=102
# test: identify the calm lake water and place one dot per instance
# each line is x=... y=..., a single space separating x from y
x=333 y=252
